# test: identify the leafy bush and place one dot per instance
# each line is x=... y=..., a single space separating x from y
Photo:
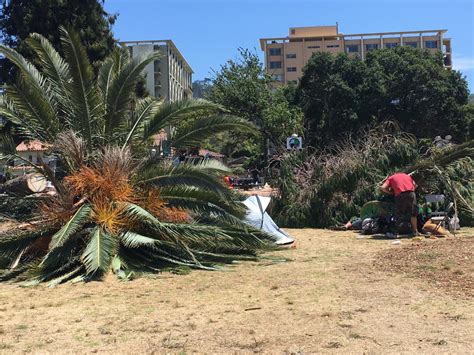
x=327 y=188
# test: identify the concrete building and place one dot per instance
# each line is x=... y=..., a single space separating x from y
x=285 y=57
x=170 y=77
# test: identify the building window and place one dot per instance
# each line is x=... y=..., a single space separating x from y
x=156 y=48
x=278 y=77
x=391 y=45
x=411 y=44
x=291 y=56
x=333 y=46
x=431 y=44
x=352 y=48
x=371 y=46
x=275 y=65
x=291 y=69
x=313 y=47
x=275 y=51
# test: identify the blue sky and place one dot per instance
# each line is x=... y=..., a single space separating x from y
x=209 y=32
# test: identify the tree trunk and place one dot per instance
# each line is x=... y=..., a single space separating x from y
x=25 y=185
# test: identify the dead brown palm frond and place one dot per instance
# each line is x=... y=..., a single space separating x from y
x=110 y=217
x=72 y=148
x=151 y=201
x=106 y=180
x=116 y=163
x=100 y=185
x=173 y=215
x=58 y=209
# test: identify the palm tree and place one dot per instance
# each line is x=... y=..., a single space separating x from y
x=118 y=208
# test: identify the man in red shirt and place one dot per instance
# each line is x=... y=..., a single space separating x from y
x=402 y=186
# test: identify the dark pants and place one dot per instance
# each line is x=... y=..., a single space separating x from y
x=406 y=208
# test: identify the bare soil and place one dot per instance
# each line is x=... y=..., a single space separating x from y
x=337 y=294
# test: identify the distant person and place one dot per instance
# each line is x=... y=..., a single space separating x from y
x=403 y=187
x=182 y=156
x=255 y=174
x=228 y=181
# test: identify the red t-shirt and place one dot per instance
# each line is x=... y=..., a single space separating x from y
x=400 y=182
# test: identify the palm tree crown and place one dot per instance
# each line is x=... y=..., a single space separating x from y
x=118 y=208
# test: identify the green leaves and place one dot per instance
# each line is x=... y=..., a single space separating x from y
x=135 y=240
x=98 y=123
x=145 y=110
x=99 y=251
x=121 y=91
x=72 y=226
x=84 y=97
x=193 y=134
x=167 y=174
x=340 y=94
x=172 y=113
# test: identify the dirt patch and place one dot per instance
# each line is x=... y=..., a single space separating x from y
x=328 y=299
x=448 y=264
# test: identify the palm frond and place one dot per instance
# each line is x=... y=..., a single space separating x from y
x=55 y=68
x=145 y=109
x=172 y=113
x=99 y=251
x=200 y=201
x=33 y=106
x=165 y=175
x=72 y=226
x=202 y=128
x=23 y=126
x=72 y=148
x=135 y=240
x=7 y=145
x=27 y=70
x=107 y=72
x=121 y=89
x=13 y=243
x=84 y=98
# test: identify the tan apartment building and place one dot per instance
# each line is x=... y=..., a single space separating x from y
x=170 y=77
x=285 y=57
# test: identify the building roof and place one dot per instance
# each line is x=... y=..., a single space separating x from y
x=160 y=42
x=32 y=146
x=263 y=41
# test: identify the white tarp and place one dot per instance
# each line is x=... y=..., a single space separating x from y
x=257 y=217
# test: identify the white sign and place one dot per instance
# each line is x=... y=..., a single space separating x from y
x=294 y=142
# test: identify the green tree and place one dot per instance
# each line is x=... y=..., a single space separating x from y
x=333 y=94
x=117 y=209
x=339 y=94
x=19 y=18
x=201 y=88
x=419 y=92
x=243 y=87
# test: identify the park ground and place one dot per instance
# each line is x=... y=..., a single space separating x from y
x=336 y=293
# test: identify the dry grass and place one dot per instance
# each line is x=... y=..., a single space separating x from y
x=446 y=263
x=329 y=298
